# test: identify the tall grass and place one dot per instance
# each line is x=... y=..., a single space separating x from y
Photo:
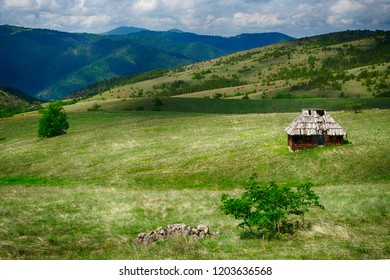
x=165 y=150
x=102 y=222
x=88 y=193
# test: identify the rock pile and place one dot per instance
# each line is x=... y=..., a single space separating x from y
x=175 y=230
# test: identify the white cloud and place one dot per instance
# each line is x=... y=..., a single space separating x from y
x=222 y=17
x=256 y=19
x=18 y=4
x=346 y=6
x=145 y=6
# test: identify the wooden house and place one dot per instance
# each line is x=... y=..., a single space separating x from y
x=314 y=128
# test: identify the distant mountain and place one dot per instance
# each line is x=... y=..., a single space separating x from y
x=20 y=94
x=49 y=64
x=175 y=30
x=124 y=30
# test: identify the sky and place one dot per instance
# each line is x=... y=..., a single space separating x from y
x=298 y=18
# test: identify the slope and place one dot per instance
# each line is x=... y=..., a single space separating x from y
x=50 y=64
x=13 y=101
x=345 y=64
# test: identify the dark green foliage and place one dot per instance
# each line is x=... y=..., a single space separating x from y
x=267 y=209
x=14 y=101
x=95 y=107
x=354 y=106
x=284 y=95
x=158 y=102
x=53 y=121
x=217 y=95
x=383 y=94
x=179 y=87
x=107 y=84
x=343 y=95
x=305 y=198
x=73 y=61
x=345 y=36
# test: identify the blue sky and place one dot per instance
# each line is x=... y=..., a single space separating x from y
x=297 y=18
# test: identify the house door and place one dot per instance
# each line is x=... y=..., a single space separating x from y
x=321 y=140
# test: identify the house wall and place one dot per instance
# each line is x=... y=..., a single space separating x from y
x=299 y=142
x=335 y=140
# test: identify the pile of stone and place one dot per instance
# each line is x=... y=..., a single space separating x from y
x=175 y=230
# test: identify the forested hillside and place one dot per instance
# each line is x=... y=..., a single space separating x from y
x=345 y=64
x=13 y=101
x=51 y=65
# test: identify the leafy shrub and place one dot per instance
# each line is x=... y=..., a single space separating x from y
x=217 y=95
x=284 y=95
x=95 y=107
x=53 y=121
x=383 y=94
x=246 y=96
x=266 y=209
x=158 y=102
x=354 y=106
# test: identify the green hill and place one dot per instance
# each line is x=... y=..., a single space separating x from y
x=13 y=101
x=51 y=65
x=338 y=65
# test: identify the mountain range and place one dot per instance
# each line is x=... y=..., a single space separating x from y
x=49 y=64
x=348 y=64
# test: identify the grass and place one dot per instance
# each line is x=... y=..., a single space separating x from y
x=101 y=223
x=88 y=193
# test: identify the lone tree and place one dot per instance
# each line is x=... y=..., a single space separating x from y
x=53 y=121
x=354 y=106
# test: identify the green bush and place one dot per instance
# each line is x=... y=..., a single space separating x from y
x=284 y=95
x=217 y=95
x=53 y=121
x=158 y=102
x=267 y=209
x=95 y=107
x=354 y=106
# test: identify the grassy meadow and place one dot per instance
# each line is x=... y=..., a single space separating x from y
x=122 y=171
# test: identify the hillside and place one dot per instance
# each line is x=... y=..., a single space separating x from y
x=345 y=64
x=13 y=101
x=51 y=65
x=116 y=173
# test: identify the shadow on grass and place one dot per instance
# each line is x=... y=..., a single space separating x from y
x=245 y=235
x=244 y=106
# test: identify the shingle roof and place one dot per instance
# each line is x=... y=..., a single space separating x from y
x=314 y=122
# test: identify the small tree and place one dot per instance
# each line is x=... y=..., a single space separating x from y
x=53 y=121
x=265 y=209
x=354 y=106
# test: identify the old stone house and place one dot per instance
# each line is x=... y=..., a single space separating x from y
x=314 y=128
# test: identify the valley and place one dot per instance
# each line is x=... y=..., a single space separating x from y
x=158 y=148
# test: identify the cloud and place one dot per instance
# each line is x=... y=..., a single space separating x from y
x=256 y=19
x=145 y=6
x=222 y=17
x=346 y=6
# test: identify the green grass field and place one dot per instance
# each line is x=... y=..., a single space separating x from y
x=116 y=173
